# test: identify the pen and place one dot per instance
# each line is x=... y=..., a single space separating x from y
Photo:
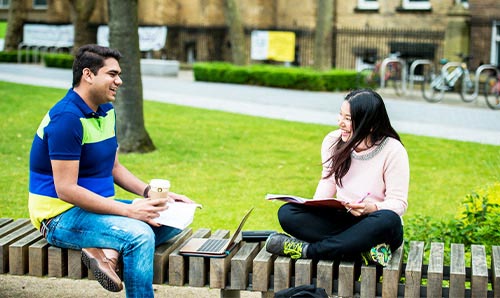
x=360 y=201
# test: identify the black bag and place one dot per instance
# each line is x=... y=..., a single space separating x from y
x=305 y=291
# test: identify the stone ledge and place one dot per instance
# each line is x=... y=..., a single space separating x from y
x=159 y=67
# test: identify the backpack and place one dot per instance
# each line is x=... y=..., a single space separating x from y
x=304 y=291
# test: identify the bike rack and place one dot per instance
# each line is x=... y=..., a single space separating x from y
x=413 y=66
x=477 y=74
x=383 y=67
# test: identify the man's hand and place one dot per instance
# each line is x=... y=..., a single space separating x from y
x=179 y=198
x=147 y=210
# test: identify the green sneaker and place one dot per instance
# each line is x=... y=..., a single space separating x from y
x=284 y=245
x=380 y=254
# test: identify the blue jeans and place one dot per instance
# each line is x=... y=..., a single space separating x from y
x=135 y=240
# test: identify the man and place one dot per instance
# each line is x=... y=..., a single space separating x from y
x=73 y=168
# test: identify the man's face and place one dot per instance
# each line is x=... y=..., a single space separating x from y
x=106 y=82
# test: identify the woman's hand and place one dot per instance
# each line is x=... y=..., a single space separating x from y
x=359 y=209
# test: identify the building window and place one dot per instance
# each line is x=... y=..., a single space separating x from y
x=495 y=44
x=4 y=4
x=416 y=4
x=367 y=4
x=40 y=4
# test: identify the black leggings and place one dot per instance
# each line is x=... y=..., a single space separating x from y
x=334 y=233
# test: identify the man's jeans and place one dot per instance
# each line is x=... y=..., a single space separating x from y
x=134 y=239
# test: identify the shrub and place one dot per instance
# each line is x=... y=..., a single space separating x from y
x=58 y=60
x=278 y=76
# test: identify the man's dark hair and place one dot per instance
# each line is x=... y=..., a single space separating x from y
x=91 y=56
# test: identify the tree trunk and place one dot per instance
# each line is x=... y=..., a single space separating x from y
x=323 y=36
x=81 y=10
x=15 y=22
x=236 y=32
x=124 y=36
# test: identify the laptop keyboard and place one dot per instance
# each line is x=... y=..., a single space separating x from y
x=213 y=245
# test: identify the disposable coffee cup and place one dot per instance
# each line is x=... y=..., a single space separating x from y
x=159 y=188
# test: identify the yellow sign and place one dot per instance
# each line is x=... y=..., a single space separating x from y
x=281 y=46
x=273 y=45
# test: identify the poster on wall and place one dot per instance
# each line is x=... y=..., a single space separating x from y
x=273 y=45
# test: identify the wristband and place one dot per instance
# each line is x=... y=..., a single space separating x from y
x=146 y=191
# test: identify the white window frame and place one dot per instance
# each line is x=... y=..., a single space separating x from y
x=416 y=5
x=368 y=5
x=39 y=6
x=495 y=43
x=4 y=4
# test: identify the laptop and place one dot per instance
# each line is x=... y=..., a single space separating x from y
x=215 y=248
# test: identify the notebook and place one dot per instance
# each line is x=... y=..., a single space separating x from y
x=209 y=247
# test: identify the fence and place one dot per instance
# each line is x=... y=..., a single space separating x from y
x=350 y=46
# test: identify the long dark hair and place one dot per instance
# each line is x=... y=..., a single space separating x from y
x=91 y=56
x=369 y=120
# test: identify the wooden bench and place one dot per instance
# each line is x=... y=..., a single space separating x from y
x=251 y=269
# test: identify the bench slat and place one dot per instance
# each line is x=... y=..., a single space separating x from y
x=392 y=273
x=495 y=270
x=58 y=258
x=12 y=226
x=18 y=253
x=219 y=269
x=324 y=277
x=413 y=272
x=177 y=263
x=479 y=280
x=457 y=271
x=368 y=281
x=346 y=279
x=282 y=273
x=76 y=268
x=4 y=221
x=38 y=258
x=262 y=269
x=303 y=272
x=241 y=265
x=162 y=252
x=7 y=240
x=199 y=266
x=435 y=270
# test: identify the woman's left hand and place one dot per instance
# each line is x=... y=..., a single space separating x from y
x=359 y=209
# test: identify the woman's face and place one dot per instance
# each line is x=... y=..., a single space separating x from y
x=344 y=120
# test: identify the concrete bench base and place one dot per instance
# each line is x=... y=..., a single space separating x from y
x=158 y=67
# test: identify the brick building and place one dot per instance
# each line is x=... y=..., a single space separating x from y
x=363 y=30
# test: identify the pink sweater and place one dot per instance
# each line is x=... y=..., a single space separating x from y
x=383 y=171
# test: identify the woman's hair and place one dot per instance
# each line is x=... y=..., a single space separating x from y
x=91 y=56
x=369 y=120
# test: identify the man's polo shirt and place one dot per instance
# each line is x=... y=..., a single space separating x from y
x=71 y=131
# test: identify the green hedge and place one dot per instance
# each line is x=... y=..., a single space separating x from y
x=58 y=60
x=279 y=76
x=50 y=60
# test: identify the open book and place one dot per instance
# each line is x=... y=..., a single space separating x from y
x=178 y=215
x=329 y=202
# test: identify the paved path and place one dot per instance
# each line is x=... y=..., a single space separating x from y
x=451 y=119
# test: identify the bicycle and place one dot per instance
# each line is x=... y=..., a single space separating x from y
x=435 y=85
x=492 y=90
x=391 y=69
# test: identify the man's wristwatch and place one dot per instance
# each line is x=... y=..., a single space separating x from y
x=146 y=191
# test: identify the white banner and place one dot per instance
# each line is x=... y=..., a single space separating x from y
x=48 y=35
x=150 y=38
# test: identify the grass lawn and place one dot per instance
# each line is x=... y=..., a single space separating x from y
x=3 y=29
x=228 y=162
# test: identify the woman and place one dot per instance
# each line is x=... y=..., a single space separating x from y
x=365 y=165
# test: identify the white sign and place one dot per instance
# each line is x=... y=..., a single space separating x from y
x=48 y=35
x=260 y=44
x=150 y=38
